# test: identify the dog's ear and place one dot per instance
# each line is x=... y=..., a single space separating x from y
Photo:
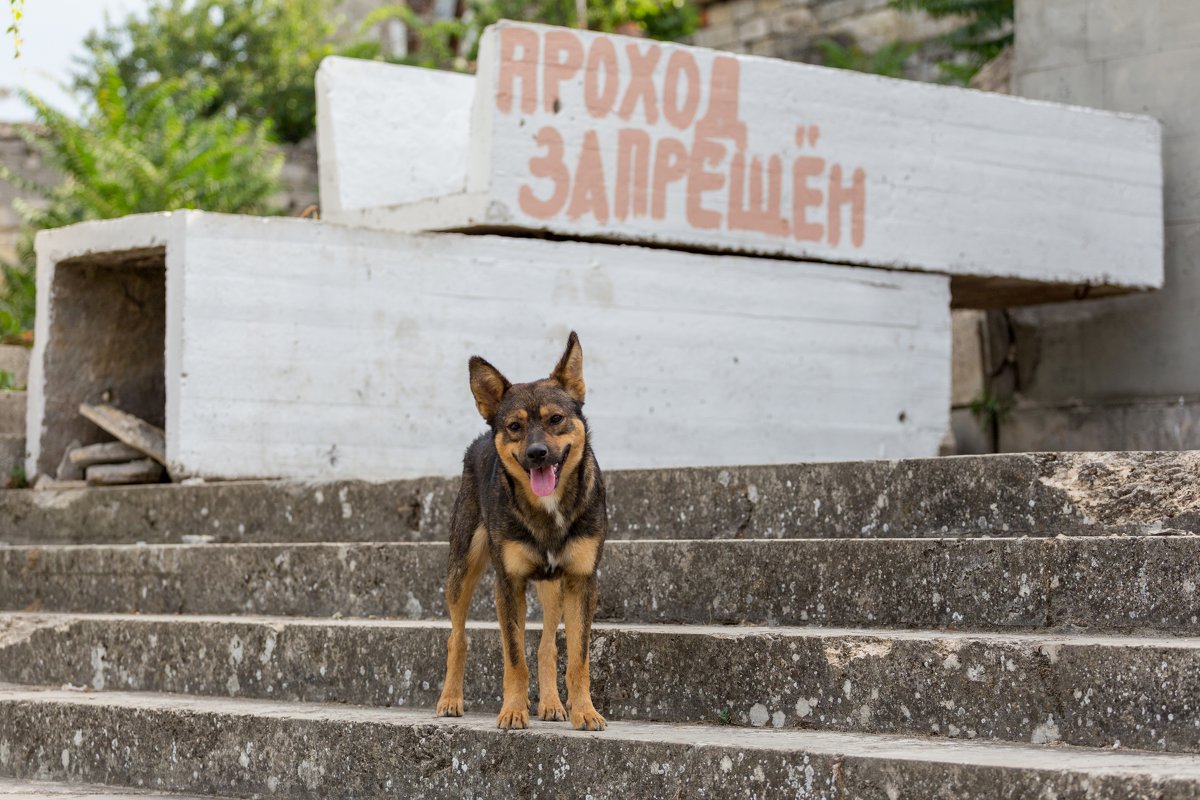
x=488 y=386
x=569 y=372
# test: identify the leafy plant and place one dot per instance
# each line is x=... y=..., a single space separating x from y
x=724 y=717
x=438 y=40
x=16 y=9
x=17 y=479
x=8 y=381
x=260 y=55
x=138 y=149
x=888 y=60
x=986 y=30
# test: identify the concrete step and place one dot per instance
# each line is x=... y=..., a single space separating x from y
x=1036 y=494
x=1102 y=691
x=70 y=791
x=1110 y=583
x=256 y=747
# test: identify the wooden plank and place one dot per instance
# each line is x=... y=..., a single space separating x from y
x=588 y=135
x=103 y=453
x=144 y=470
x=134 y=432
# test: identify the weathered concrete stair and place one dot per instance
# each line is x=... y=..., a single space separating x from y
x=257 y=748
x=1083 y=689
x=980 y=608
x=1113 y=583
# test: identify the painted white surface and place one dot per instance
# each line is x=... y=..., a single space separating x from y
x=375 y=122
x=304 y=349
x=957 y=182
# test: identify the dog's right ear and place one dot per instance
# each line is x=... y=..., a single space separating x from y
x=488 y=386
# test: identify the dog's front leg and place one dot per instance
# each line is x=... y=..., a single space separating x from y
x=510 y=612
x=550 y=706
x=579 y=606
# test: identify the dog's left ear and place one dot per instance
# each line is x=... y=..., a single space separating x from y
x=569 y=372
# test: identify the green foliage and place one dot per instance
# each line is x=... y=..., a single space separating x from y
x=260 y=55
x=888 y=60
x=724 y=717
x=989 y=409
x=16 y=9
x=17 y=479
x=8 y=381
x=139 y=149
x=437 y=41
x=986 y=29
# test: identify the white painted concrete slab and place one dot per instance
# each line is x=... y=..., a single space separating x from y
x=307 y=349
x=593 y=136
x=393 y=109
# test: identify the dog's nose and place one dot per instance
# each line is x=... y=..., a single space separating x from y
x=536 y=452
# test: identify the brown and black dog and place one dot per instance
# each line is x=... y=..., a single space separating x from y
x=531 y=501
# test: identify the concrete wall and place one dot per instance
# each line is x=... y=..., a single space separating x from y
x=1119 y=373
x=790 y=29
x=300 y=349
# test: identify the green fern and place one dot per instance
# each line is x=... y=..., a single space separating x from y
x=986 y=30
x=138 y=149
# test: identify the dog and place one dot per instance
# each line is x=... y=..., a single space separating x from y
x=531 y=503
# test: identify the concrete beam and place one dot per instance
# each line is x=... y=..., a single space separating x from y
x=600 y=137
x=295 y=349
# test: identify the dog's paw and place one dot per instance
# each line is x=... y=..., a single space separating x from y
x=552 y=710
x=513 y=718
x=450 y=707
x=588 y=719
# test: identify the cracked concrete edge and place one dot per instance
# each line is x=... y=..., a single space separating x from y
x=33 y=789
x=1010 y=495
x=304 y=750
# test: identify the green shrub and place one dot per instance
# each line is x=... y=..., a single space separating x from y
x=260 y=55
x=137 y=149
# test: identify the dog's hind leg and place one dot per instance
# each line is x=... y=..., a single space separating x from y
x=465 y=570
x=550 y=705
x=579 y=606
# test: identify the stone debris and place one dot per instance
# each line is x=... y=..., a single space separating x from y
x=141 y=471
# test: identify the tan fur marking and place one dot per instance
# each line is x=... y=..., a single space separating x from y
x=451 y=703
x=514 y=712
x=519 y=559
x=579 y=555
x=579 y=682
x=576 y=438
x=550 y=705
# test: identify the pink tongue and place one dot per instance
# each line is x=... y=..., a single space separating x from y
x=542 y=481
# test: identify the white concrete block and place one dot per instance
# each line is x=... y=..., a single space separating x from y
x=375 y=121
x=302 y=349
x=592 y=136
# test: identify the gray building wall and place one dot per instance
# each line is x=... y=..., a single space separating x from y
x=1122 y=373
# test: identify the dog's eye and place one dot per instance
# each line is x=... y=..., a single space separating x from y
x=515 y=427
x=557 y=418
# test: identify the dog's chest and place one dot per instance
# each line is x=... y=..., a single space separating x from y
x=551 y=506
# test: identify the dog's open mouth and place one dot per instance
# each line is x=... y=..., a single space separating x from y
x=543 y=479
